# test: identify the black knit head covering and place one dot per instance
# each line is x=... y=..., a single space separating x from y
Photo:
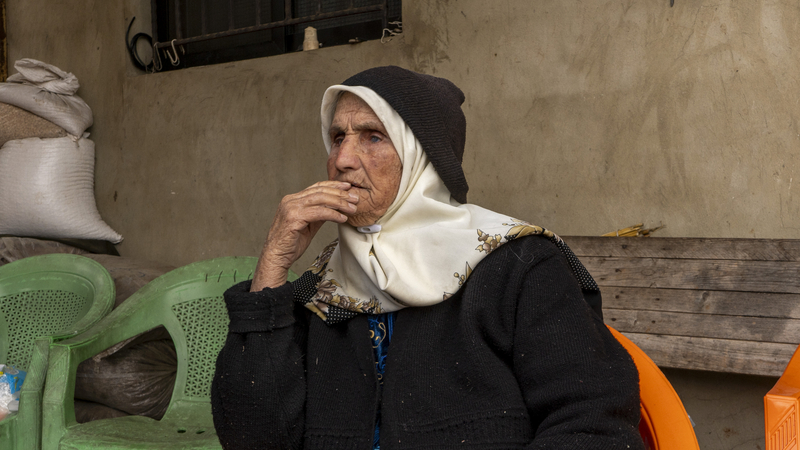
x=431 y=107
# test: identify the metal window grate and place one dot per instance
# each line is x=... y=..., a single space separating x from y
x=184 y=24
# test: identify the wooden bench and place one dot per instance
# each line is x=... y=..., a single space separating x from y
x=724 y=305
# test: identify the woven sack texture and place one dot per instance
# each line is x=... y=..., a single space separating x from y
x=20 y=124
x=47 y=190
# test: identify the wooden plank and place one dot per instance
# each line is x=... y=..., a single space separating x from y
x=785 y=306
x=756 y=329
x=726 y=305
x=686 y=248
x=718 y=355
x=718 y=275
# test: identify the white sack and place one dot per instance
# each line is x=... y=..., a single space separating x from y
x=45 y=76
x=48 y=92
x=47 y=190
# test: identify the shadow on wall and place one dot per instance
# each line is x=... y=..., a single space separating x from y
x=731 y=407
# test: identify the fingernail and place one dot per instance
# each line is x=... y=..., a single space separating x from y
x=353 y=196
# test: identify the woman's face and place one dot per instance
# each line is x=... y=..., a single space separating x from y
x=363 y=155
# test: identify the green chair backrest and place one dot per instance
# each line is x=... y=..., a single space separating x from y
x=198 y=324
x=56 y=295
x=202 y=326
x=44 y=299
x=205 y=325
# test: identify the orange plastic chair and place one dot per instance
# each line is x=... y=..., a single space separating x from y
x=665 y=425
x=780 y=408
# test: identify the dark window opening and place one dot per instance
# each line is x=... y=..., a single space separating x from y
x=192 y=33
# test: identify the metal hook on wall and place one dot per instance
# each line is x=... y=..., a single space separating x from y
x=176 y=60
x=394 y=32
x=156 y=59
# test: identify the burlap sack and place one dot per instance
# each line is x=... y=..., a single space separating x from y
x=129 y=274
x=89 y=411
x=48 y=92
x=13 y=248
x=137 y=379
x=16 y=123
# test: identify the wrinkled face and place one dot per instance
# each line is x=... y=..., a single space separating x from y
x=363 y=155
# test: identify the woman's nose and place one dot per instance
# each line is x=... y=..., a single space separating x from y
x=347 y=154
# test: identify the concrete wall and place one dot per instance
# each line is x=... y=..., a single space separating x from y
x=584 y=117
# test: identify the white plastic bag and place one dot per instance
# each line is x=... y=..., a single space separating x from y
x=48 y=92
x=47 y=190
x=11 y=381
x=5 y=400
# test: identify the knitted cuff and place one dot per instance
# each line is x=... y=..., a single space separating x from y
x=266 y=310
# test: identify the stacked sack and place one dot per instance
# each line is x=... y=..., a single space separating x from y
x=46 y=158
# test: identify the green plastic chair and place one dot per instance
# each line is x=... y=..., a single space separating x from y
x=44 y=299
x=188 y=303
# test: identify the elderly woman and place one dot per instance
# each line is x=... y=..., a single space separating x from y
x=430 y=322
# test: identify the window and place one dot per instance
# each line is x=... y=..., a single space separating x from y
x=191 y=33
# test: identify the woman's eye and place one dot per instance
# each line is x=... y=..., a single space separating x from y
x=374 y=139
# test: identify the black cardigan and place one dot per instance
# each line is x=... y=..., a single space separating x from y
x=516 y=359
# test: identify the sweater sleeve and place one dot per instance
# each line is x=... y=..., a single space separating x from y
x=259 y=388
x=578 y=382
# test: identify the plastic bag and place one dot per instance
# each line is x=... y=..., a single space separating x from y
x=47 y=190
x=5 y=400
x=48 y=92
x=11 y=380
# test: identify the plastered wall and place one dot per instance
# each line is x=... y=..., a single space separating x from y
x=583 y=117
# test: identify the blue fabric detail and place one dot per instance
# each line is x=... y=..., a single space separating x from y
x=380 y=333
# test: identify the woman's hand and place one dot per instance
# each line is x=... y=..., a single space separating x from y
x=298 y=219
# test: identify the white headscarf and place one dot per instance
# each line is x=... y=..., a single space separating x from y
x=428 y=243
